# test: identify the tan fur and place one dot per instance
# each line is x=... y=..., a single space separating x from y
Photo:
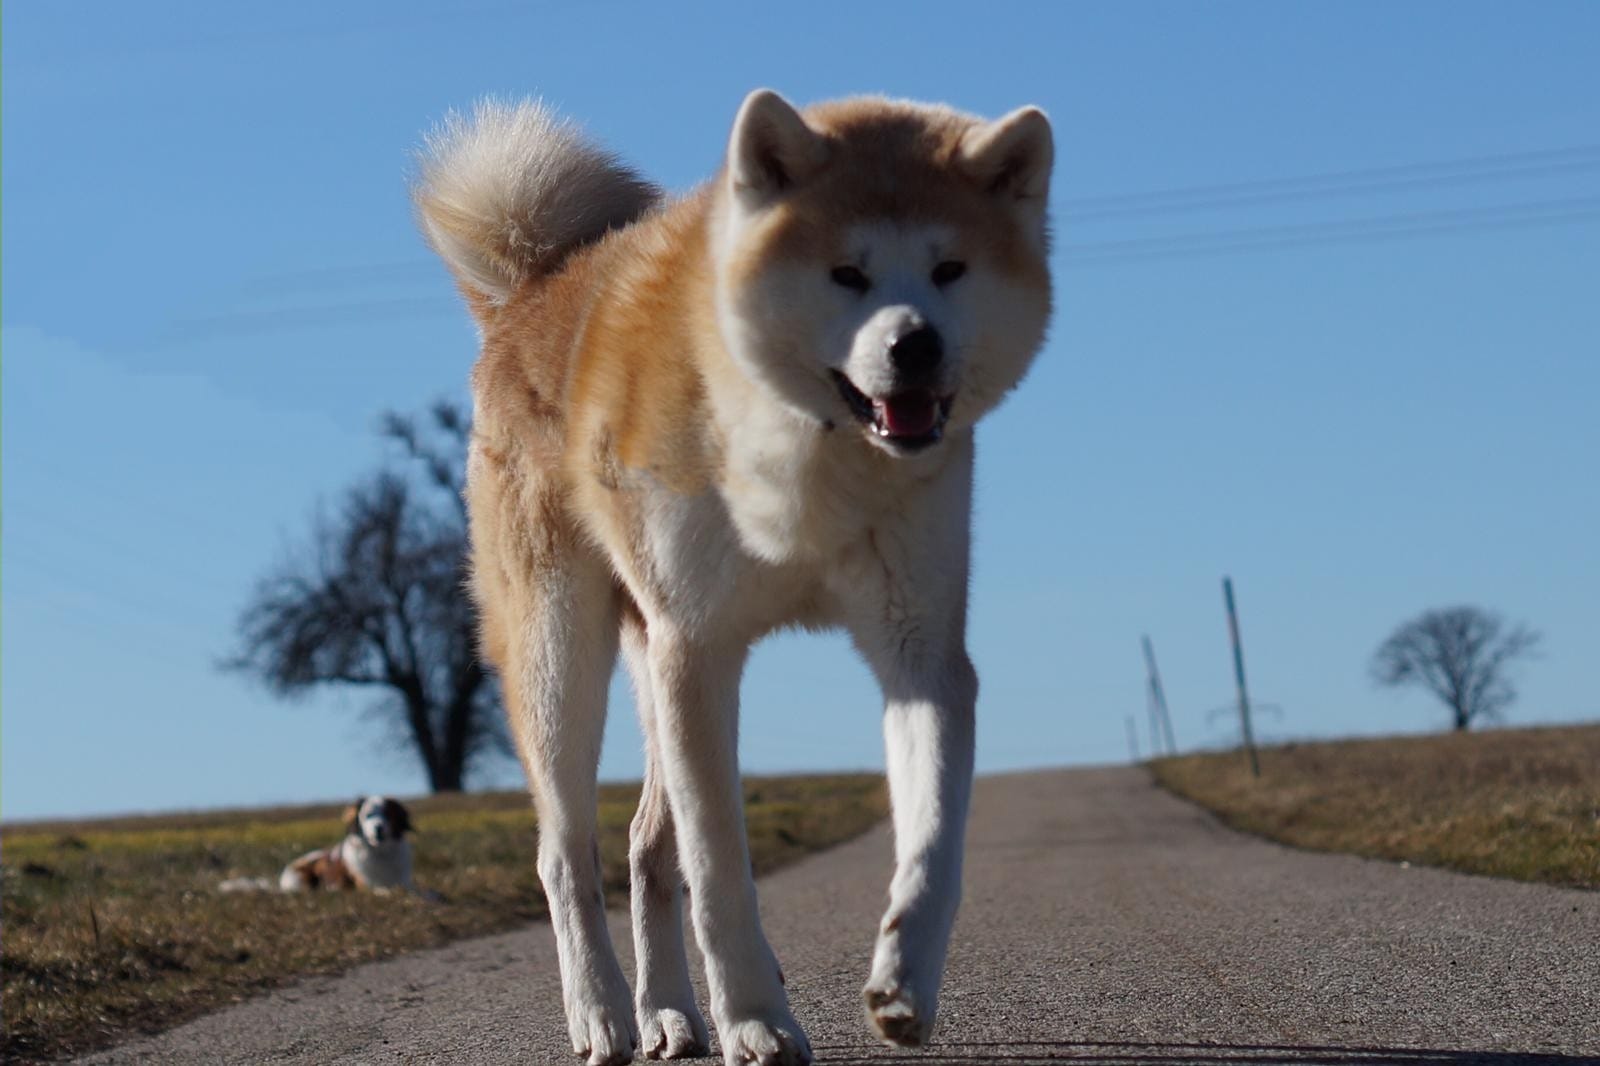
x=665 y=462
x=604 y=365
x=525 y=188
x=327 y=870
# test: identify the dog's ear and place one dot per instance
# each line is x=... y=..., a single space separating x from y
x=771 y=149
x=399 y=817
x=352 y=816
x=1011 y=157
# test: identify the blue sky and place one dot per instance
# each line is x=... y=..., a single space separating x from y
x=212 y=288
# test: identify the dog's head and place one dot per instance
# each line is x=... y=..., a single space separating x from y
x=881 y=265
x=378 y=820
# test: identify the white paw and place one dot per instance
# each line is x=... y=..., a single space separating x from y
x=672 y=1033
x=902 y=993
x=603 y=1032
x=776 y=1040
x=896 y=1015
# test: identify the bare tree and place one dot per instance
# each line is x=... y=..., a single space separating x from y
x=1460 y=654
x=377 y=599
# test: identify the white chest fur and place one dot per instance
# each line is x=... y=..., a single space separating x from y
x=386 y=865
x=799 y=492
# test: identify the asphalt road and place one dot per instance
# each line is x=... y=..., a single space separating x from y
x=1104 y=922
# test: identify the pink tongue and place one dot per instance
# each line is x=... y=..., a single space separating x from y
x=909 y=414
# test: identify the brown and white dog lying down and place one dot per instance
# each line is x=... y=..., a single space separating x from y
x=374 y=855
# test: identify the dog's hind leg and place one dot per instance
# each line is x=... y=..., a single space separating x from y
x=670 y=1025
x=561 y=626
x=695 y=695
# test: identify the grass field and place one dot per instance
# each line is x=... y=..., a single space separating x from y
x=115 y=926
x=1520 y=803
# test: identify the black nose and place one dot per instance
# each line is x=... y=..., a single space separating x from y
x=916 y=352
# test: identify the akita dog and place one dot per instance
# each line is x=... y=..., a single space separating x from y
x=698 y=421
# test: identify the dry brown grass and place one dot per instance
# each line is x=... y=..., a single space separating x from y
x=115 y=926
x=1520 y=803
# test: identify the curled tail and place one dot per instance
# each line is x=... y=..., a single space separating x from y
x=508 y=193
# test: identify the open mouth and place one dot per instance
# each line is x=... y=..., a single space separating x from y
x=910 y=420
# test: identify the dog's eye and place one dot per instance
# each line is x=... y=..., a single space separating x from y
x=850 y=278
x=948 y=271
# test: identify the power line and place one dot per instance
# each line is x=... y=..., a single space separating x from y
x=1354 y=230
x=1410 y=176
x=320 y=278
x=1331 y=192
x=275 y=319
x=1159 y=201
x=1338 y=182
x=1370 y=229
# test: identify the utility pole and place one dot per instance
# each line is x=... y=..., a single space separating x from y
x=1133 y=740
x=1158 y=698
x=1238 y=673
x=1156 y=747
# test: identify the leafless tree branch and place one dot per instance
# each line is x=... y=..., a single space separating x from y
x=378 y=600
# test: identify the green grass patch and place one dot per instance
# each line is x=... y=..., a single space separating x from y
x=1518 y=803
x=114 y=926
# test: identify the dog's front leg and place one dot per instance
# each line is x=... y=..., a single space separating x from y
x=697 y=705
x=928 y=730
x=906 y=596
